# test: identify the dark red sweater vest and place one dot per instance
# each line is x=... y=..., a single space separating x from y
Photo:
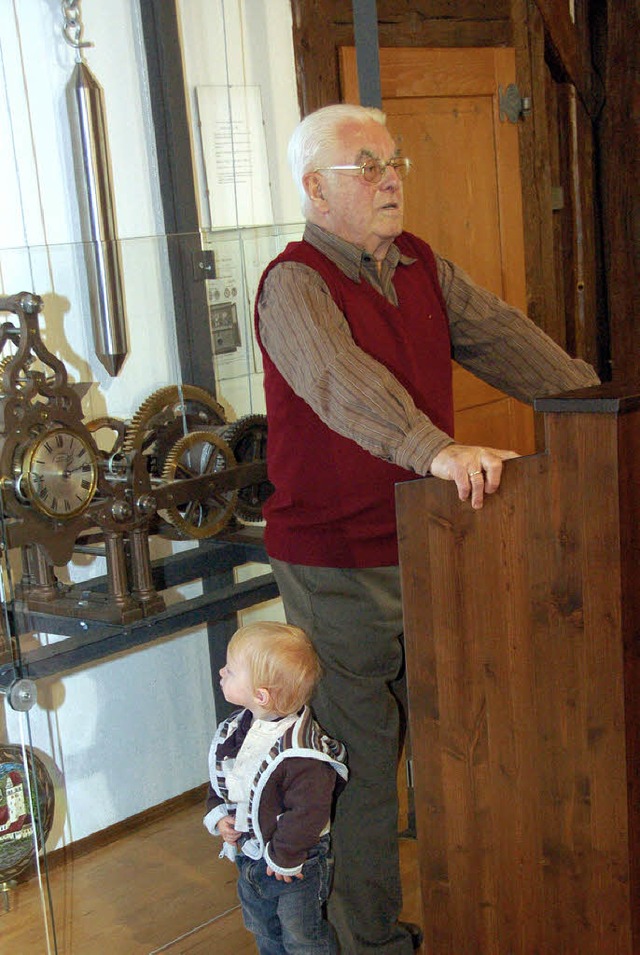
x=333 y=504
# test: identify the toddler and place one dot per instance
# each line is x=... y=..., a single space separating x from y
x=273 y=773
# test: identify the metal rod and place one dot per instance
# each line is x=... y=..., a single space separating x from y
x=365 y=25
x=103 y=252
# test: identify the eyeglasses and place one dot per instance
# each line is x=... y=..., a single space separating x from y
x=372 y=170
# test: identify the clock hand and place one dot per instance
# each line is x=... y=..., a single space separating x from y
x=79 y=467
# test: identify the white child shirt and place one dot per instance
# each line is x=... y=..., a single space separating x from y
x=256 y=746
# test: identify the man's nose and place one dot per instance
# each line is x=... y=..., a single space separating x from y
x=390 y=178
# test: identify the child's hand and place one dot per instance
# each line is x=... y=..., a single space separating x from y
x=284 y=878
x=227 y=830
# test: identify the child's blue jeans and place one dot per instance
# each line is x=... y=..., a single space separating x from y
x=288 y=918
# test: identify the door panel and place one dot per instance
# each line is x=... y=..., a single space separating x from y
x=463 y=195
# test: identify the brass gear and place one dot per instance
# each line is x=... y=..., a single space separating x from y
x=247 y=438
x=165 y=416
x=197 y=453
x=4 y=364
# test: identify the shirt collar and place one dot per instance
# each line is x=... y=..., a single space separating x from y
x=232 y=743
x=348 y=257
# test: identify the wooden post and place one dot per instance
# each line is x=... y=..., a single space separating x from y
x=523 y=658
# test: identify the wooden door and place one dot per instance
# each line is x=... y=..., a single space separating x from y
x=463 y=195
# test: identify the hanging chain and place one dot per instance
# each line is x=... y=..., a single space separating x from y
x=73 y=27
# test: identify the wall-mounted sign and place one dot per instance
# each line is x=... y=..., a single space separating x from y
x=235 y=156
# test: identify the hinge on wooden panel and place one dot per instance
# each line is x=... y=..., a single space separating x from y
x=513 y=106
x=409 y=768
x=557 y=198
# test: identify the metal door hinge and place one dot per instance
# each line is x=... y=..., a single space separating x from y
x=557 y=198
x=409 y=769
x=513 y=106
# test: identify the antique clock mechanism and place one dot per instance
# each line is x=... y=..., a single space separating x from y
x=178 y=469
x=57 y=486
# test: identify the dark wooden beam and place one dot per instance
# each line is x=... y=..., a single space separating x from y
x=616 y=52
x=569 y=53
x=543 y=301
x=163 y=49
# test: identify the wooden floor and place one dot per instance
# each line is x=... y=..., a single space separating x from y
x=159 y=889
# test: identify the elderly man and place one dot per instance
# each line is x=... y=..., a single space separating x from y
x=357 y=324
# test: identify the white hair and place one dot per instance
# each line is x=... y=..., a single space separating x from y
x=316 y=138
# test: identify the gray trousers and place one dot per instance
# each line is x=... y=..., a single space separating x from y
x=354 y=618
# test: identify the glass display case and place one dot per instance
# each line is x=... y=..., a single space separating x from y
x=132 y=447
x=131 y=546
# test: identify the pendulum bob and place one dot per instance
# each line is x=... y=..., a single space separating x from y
x=95 y=192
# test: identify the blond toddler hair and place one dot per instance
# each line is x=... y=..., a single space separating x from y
x=281 y=659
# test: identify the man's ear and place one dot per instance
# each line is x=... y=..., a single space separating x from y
x=312 y=182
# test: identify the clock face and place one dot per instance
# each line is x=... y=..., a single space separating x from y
x=60 y=473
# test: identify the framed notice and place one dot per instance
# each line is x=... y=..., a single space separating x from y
x=235 y=156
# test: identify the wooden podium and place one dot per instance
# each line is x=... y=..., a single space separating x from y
x=522 y=628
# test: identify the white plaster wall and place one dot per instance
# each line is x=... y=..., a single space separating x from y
x=131 y=731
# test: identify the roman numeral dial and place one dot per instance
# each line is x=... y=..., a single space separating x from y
x=59 y=473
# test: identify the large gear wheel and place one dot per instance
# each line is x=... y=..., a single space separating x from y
x=166 y=416
x=195 y=454
x=247 y=438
